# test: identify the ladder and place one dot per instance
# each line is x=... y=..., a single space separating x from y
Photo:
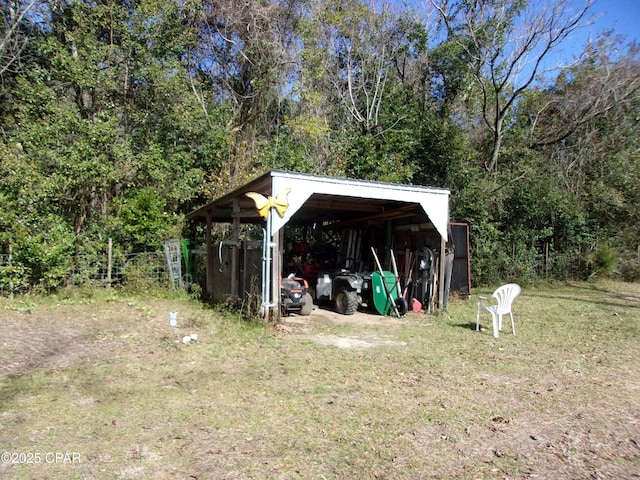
x=172 y=251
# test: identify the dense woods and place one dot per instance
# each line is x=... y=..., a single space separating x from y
x=118 y=117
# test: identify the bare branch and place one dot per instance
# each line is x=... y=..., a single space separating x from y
x=506 y=42
x=598 y=86
x=12 y=43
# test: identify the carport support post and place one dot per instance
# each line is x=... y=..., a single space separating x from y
x=276 y=269
x=235 y=249
x=210 y=255
x=272 y=265
x=441 y=268
x=267 y=266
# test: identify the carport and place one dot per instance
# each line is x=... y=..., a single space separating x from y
x=389 y=217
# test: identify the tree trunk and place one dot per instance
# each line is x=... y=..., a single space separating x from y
x=497 y=144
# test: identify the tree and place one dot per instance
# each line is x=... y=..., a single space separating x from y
x=244 y=57
x=104 y=107
x=245 y=50
x=358 y=50
x=506 y=44
x=585 y=125
x=604 y=84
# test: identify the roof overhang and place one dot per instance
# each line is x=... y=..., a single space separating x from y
x=315 y=198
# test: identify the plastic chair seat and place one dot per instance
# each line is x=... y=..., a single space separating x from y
x=505 y=295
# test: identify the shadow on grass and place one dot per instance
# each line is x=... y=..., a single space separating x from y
x=627 y=301
x=465 y=325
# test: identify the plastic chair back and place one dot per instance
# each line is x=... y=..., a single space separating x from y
x=505 y=295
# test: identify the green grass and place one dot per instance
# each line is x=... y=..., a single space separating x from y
x=431 y=399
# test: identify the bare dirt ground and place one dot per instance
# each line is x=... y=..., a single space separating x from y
x=52 y=339
x=303 y=327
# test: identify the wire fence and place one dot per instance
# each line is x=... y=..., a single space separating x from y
x=134 y=269
x=558 y=267
x=151 y=268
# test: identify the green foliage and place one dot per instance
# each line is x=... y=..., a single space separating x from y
x=41 y=251
x=289 y=147
x=604 y=261
x=489 y=257
x=13 y=278
x=452 y=76
x=370 y=157
x=123 y=116
x=629 y=266
x=441 y=155
x=142 y=221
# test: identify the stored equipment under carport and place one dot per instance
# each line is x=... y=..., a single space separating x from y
x=385 y=295
x=347 y=291
x=295 y=296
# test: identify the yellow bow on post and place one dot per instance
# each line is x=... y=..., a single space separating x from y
x=264 y=204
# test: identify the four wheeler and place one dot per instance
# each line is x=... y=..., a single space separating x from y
x=348 y=291
x=345 y=288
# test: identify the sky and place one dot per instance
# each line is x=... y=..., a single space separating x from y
x=621 y=15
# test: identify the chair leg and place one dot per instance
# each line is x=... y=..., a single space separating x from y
x=496 y=329
x=513 y=324
x=478 y=319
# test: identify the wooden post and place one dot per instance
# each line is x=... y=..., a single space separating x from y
x=546 y=260
x=109 y=261
x=210 y=254
x=10 y=274
x=235 y=249
x=441 y=266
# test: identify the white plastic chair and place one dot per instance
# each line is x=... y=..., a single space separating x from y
x=505 y=295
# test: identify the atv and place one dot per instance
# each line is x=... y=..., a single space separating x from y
x=348 y=291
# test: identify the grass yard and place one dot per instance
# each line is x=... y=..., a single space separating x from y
x=95 y=387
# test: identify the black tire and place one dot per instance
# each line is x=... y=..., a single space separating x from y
x=346 y=301
x=308 y=304
x=402 y=306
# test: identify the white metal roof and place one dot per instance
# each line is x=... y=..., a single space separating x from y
x=434 y=202
x=318 y=193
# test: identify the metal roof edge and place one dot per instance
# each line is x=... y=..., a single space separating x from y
x=232 y=193
x=317 y=178
x=354 y=181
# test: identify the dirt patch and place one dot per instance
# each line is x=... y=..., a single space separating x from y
x=304 y=326
x=351 y=342
x=56 y=338
x=627 y=297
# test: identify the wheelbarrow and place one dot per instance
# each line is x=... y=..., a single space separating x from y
x=385 y=291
